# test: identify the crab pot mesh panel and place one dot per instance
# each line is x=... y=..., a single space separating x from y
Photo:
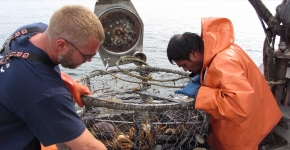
x=137 y=109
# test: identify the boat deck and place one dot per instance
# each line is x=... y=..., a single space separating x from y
x=282 y=148
x=279 y=138
x=274 y=142
x=283 y=127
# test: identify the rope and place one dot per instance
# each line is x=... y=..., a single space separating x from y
x=146 y=79
x=146 y=68
x=140 y=68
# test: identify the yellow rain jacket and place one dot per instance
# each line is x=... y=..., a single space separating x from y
x=233 y=91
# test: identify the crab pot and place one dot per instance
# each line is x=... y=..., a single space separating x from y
x=136 y=108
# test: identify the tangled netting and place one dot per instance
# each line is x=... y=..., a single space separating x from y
x=136 y=108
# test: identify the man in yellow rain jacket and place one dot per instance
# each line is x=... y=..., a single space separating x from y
x=232 y=90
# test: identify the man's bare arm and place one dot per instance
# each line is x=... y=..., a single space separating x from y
x=86 y=141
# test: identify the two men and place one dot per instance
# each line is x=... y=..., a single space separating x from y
x=232 y=89
x=36 y=106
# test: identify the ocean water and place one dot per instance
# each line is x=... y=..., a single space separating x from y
x=161 y=18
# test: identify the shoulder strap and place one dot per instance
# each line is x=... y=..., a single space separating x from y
x=8 y=53
x=29 y=56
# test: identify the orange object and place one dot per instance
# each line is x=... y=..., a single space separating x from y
x=51 y=147
x=234 y=92
x=76 y=89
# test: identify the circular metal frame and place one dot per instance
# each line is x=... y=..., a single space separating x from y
x=172 y=103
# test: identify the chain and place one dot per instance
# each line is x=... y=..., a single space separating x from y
x=276 y=83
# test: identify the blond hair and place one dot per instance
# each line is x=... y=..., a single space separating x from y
x=75 y=23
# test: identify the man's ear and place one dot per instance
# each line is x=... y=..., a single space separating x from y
x=196 y=54
x=60 y=45
x=193 y=53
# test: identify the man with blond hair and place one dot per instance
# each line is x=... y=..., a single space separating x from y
x=36 y=106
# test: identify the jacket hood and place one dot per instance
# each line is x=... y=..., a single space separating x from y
x=218 y=35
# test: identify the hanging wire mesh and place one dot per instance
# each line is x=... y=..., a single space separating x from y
x=136 y=108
